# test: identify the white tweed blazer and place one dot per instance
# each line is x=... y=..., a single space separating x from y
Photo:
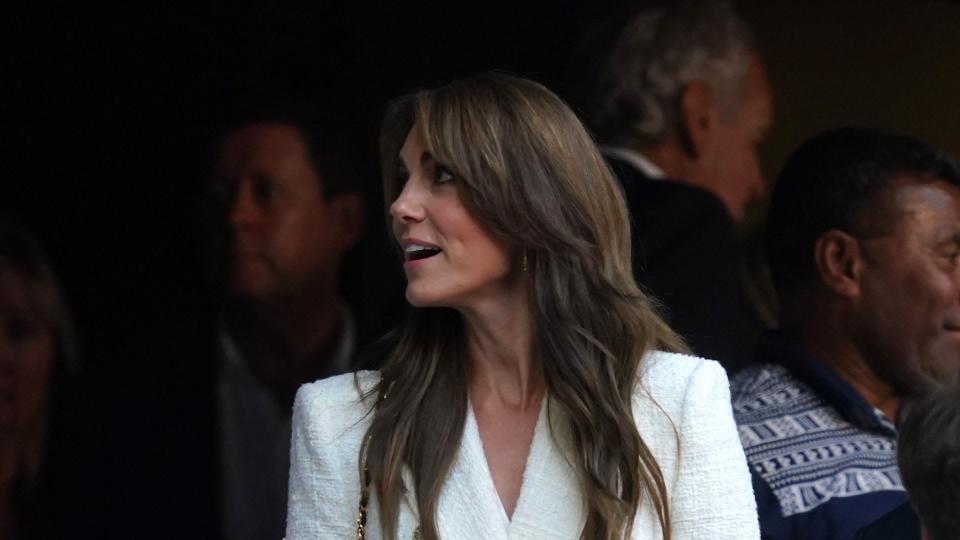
x=710 y=493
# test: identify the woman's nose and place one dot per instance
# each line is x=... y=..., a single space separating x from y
x=408 y=206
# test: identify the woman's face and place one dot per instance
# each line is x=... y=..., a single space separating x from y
x=450 y=260
x=26 y=354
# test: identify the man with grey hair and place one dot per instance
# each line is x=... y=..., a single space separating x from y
x=680 y=99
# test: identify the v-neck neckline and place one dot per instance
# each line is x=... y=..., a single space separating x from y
x=550 y=502
x=475 y=443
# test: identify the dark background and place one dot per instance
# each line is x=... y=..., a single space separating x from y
x=105 y=110
x=105 y=115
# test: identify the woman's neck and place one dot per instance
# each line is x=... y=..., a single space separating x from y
x=500 y=348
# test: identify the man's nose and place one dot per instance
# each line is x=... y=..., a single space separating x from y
x=244 y=209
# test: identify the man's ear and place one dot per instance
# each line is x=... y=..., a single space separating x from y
x=839 y=262
x=698 y=106
x=347 y=211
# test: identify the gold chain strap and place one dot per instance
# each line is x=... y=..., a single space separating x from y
x=365 y=488
x=365 y=483
x=364 y=497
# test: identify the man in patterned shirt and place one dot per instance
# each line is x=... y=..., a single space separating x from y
x=863 y=241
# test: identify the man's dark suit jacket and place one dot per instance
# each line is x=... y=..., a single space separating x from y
x=686 y=254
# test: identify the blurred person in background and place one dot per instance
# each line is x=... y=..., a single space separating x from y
x=201 y=448
x=287 y=207
x=863 y=241
x=680 y=100
x=36 y=345
x=929 y=457
x=928 y=450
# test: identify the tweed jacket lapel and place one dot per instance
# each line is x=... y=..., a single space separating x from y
x=469 y=506
x=550 y=503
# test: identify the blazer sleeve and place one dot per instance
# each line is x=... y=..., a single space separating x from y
x=713 y=494
x=324 y=488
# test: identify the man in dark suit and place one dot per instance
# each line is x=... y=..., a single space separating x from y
x=205 y=453
x=287 y=203
x=202 y=449
x=681 y=100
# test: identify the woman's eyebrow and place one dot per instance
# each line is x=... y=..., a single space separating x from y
x=426 y=158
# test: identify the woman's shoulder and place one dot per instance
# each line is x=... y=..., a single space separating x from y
x=696 y=445
x=659 y=367
x=336 y=403
x=339 y=390
x=330 y=418
x=674 y=380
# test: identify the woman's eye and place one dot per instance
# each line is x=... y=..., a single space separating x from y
x=443 y=175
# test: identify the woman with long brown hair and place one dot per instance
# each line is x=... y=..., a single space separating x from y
x=527 y=394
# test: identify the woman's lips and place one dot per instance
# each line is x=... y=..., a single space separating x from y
x=413 y=263
x=416 y=250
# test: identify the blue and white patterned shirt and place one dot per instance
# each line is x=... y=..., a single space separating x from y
x=823 y=460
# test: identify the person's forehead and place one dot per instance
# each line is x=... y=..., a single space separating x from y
x=259 y=141
x=13 y=292
x=918 y=201
x=412 y=151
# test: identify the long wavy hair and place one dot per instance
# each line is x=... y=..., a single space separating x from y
x=527 y=170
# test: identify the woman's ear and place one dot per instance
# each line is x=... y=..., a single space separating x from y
x=839 y=262
x=698 y=107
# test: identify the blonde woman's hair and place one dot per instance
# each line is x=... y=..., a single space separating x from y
x=527 y=170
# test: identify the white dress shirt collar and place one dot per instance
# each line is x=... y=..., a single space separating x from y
x=635 y=159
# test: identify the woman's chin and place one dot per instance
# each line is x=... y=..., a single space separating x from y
x=419 y=298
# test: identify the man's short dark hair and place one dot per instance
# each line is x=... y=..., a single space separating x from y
x=929 y=456
x=831 y=182
x=330 y=139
